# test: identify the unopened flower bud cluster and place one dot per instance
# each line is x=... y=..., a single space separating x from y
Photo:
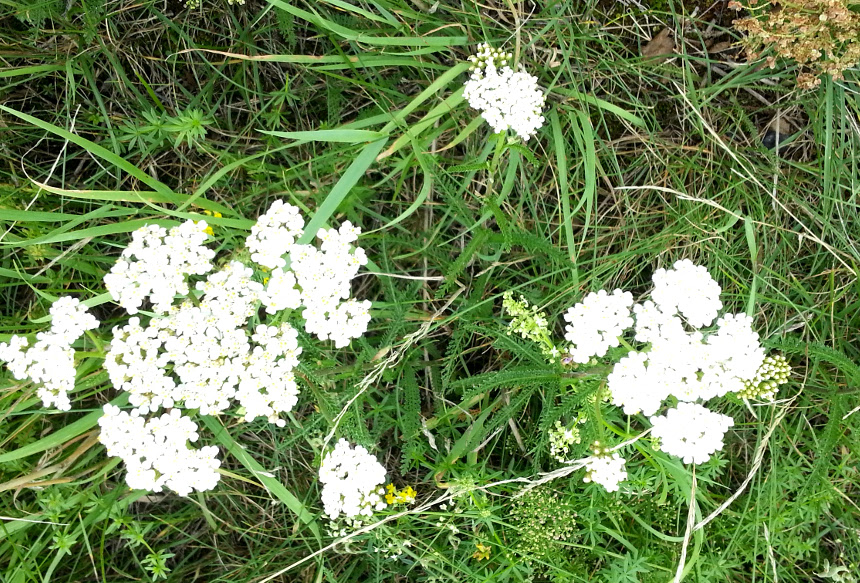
x=50 y=361
x=507 y=99
x=205 y=354
x=529 y=323
x=772 y=373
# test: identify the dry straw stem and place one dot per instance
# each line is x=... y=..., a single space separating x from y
x=757 y=460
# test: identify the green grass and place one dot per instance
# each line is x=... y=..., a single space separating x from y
x=353 y=111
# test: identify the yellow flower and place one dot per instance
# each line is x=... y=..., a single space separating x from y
x=208 y=230
x=211 y=214
x=406 y=495
x=482 y=553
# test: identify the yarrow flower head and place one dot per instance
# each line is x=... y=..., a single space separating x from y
x=687 y=289
x=155 y=264
x=323 y=277
x=507 y=99
x=200 y=354
x=605 y=468
x=50 y=361
x=352 y=480
x=70 y=319
x=274 y=233
x=687 y=351
x=691 y=432
x=596 y=323
x=689 y=364
x=156 y=451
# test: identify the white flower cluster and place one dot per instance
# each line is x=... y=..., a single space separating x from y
x=507 y=99
x=324 y=276
x=200 y=355
x=352 y=482
x=208 y=351
x=596 y=323
x=691 y=432
x=680 y=359
x=155 y=265
x=316 y=280
x=50 y=362
x=274 y=234
x=690 y=366
x=683 y=361
x=688 y=289
x=156 y=452
x=605 y=468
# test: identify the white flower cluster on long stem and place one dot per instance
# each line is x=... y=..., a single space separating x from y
x=352 y=480
x=50 y=361
x=507 y=98
x=201 y=355
x=687 y=354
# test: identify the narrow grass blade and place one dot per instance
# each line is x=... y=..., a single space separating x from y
x=339 y=135
x=563 y=193
x=441 y=42
x=271 y=484
x=349 y=179
x=93 y=149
